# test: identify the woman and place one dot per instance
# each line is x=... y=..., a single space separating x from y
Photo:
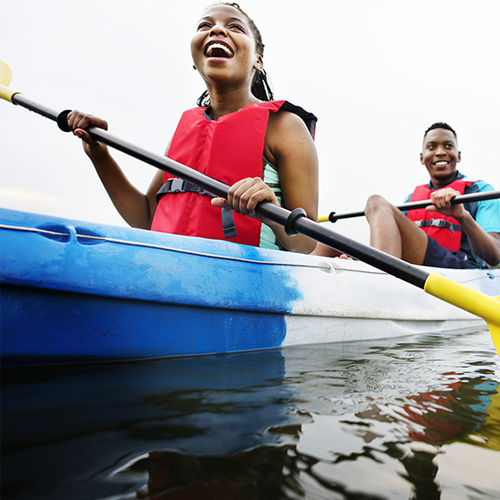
x=237 y=135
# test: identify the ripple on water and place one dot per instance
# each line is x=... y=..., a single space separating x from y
x=417 y=417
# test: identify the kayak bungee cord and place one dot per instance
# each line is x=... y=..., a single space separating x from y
x=72 y=232
x=475 y=302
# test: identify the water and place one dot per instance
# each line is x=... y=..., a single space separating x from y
x=414 y=418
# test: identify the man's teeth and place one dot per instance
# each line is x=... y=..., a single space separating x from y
x=215 y=46
x=441 y=163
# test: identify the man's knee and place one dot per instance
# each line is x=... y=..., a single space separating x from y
x=376 y=202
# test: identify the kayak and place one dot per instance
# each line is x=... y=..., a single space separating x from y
x=74 y=291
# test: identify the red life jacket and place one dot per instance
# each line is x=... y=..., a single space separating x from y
x=228 y=149
x=444 y=229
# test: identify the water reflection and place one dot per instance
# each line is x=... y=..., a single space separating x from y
x=367 y=420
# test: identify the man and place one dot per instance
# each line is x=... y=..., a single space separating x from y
x=442 y=235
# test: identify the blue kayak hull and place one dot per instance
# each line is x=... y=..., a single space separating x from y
x=75 y=291
x=58 y=326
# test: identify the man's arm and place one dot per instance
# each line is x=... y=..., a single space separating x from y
x=485 y=245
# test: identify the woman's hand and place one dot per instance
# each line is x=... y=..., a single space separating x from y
x=78 y=122
x=244 y=195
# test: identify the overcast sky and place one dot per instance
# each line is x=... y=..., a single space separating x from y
x=375 y=73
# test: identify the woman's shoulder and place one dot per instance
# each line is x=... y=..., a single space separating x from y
x=283 y=120
x=308 y=118
x=290 y=119
x=288 y=134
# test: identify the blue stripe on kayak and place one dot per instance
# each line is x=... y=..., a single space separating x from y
x=44 y=324
x=64 y=296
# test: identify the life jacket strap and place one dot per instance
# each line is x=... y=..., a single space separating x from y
x=439 y=223
x=176 y=185
x=228 y=225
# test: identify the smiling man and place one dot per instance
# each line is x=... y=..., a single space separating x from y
x=441 y=235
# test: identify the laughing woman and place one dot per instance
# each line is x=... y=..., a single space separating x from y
x=262 y=148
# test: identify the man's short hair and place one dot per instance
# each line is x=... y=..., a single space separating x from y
x=441 y=125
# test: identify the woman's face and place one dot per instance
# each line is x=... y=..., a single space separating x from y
x=223 y=47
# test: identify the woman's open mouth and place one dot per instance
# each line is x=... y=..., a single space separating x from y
x=218 y=49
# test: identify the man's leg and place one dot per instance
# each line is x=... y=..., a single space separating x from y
x=392 y=232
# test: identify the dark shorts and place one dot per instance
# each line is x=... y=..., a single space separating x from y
x=438 y=256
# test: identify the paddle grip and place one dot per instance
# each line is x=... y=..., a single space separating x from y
x=292 y=219
x=62 y=120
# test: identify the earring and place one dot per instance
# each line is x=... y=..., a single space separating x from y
x=194 y=67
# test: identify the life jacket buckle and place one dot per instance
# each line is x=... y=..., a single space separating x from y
x=176 y=185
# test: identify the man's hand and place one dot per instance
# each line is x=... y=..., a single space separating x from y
x=441 y=202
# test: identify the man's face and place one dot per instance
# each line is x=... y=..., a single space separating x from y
x=440 y=156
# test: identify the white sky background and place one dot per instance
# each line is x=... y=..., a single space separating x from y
x=375 y=73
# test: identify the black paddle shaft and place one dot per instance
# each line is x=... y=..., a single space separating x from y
x=414 y=205
x=294 y=222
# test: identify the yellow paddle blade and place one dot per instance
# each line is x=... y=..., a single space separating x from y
x=477 y=303
x=495 y=335
x=5 y=74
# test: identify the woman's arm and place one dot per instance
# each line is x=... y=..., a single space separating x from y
x=290 y=147
x=136 y=208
